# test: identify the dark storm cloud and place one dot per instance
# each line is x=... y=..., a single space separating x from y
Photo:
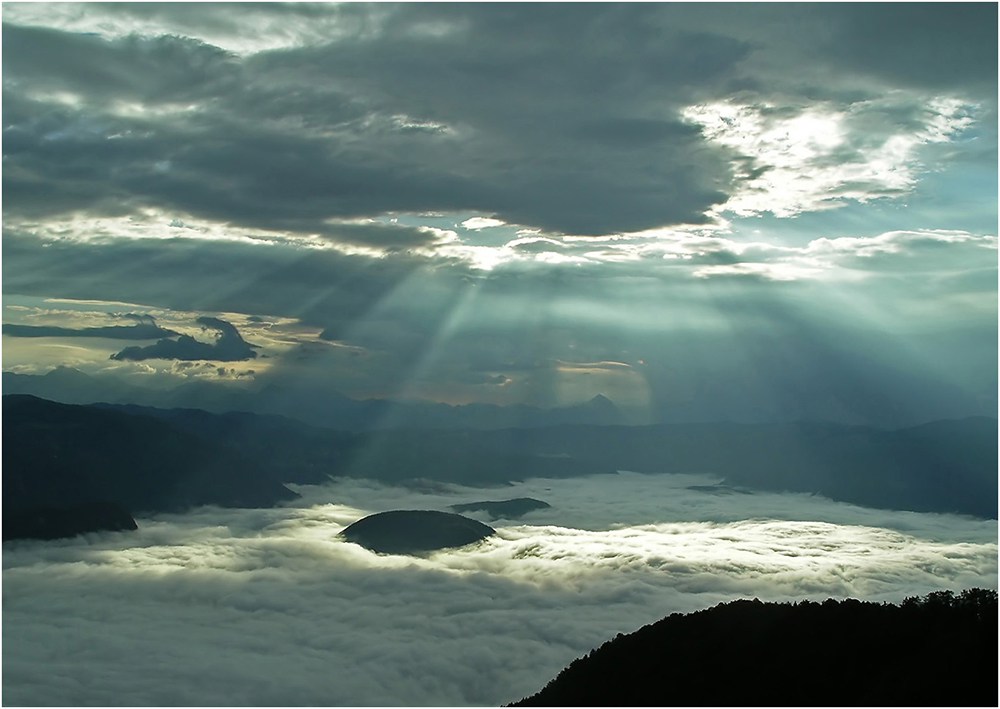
x=941 y=45
x=366 y=127
x=228 y=347
x=145 y=331
x=634 y=132
x=315 y=285
x=132 y=68
x=845 y=50
x=563 y=117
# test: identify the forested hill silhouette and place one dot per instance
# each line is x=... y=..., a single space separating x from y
x=65 y=520
x=57 y=457
x=944 y=466
x=415 y=531
x=939 y=650
x=503 y=509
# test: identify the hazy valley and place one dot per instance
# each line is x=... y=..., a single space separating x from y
x=574 y=540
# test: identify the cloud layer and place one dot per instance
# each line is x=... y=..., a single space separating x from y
x=270 y=607
x=228 y=347
x=776 y=331
x=142 y=331
x=594 y=120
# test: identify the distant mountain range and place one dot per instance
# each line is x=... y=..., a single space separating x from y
x=308 y=404
x=944 y=466
x=149 y=459
x=937 y=651
x=889 y=399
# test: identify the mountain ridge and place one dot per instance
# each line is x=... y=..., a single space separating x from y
x=57 y=455
x=324 y=408
x=834 y=653
x=945 y=466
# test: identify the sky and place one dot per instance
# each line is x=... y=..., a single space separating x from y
x=270 y=607
x=659 y=203
x=722 y=212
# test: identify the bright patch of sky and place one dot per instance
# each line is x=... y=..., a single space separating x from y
x=482 y=223
x=794 y=161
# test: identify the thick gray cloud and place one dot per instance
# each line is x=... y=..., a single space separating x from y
x=393 y=131
x=269 y=607
x=564 y=118
x=237 y=276
x=144 y=331
x=927 y=44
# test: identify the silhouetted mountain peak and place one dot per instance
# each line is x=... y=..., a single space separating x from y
x=717 y=656
x=602 y=402
x=68 y=375
x=414 y=531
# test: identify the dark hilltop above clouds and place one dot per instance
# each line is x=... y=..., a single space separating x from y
x=940 y=650
x=503 y=509
x=415 y=531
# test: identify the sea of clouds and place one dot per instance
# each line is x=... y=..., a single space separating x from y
x=271 y=607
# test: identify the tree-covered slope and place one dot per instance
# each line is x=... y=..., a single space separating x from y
x=57 y=454
x=65 y=520
x=944 y=466
x=937 y=651
x=415 y=531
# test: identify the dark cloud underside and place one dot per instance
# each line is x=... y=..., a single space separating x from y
x=146 y=331
x=229 y=347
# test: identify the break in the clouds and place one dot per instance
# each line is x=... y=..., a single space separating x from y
x=262 y=607
x=447 y=197
x=818 y=158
